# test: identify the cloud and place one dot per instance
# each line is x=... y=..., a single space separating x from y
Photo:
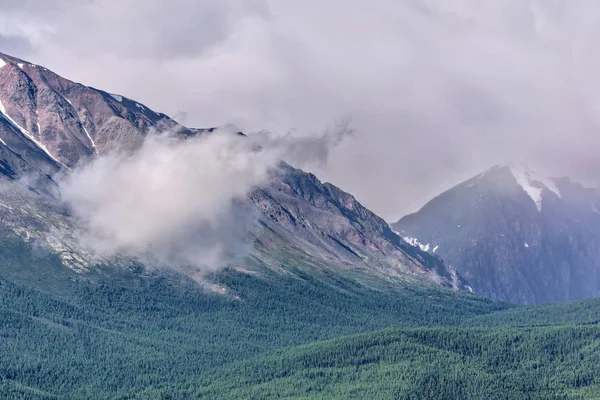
x=439 y=89
x=151 y=29
x=181 y=203
x=12 y=44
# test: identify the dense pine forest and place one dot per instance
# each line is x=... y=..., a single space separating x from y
x=163 y=336
x=425 y=363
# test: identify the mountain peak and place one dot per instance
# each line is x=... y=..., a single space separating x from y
x=508 y=226
x=533 y=184
x=48 y=122
x=7 y=60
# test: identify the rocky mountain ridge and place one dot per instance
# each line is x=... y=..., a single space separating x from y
x=52 y=124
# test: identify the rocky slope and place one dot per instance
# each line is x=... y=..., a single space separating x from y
x=325 y=226
x=515 y=236
x=66 y=121
x=51 y=124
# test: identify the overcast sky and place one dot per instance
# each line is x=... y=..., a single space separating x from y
x=436 y=89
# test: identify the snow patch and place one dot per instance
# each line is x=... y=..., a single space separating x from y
x=3 y=142
x=68 y=101
x=411 y=240
x=117 y=97
x=20 y=65
x=525 y=177
x=415 y=243
x=2 y=63
x=526 y=245
x=549 y=183
x=91 y=140
x=141 y=107
x=28 y=135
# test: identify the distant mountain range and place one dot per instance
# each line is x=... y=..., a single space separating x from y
x=514 y=235
x=49 y=124
x=506 y=233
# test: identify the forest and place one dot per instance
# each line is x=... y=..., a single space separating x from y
x=165 y=336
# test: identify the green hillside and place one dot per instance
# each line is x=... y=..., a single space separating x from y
x=163 y=335
x=425 y=363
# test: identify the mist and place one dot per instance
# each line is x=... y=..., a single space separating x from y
x=180 y=203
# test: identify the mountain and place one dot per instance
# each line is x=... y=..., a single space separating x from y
x=304 y=219
x=69 y=121
x=515 y=236
x=48 y=122
x=51 y=124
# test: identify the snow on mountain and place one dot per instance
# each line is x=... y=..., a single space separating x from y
x=532 y=184
x=27 y=134
x=415 y=242
x=515 y=235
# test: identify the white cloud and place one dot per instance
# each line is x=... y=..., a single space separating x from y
x=180 y=203
x=437 y=89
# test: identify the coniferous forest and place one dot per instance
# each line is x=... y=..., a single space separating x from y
x=297 y=337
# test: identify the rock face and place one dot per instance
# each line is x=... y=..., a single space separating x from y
x=50 y=124
x=319 y=222
x=515 y=236
x=64 y=121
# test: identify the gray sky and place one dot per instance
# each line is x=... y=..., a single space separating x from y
x=437 y=89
